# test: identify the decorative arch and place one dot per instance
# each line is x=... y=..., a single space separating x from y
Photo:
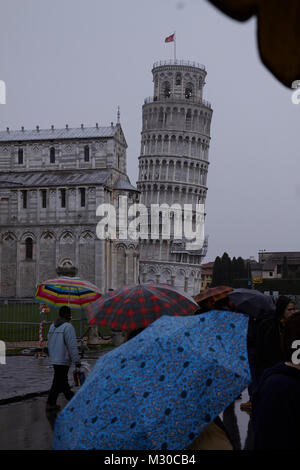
x=9 y=237
x=67 y=237
x=87 y=237
x=178 y=170
x=26 y=235
x=180 y=145
x=165 y=144
x=159 y=144
x=152 y=269
x=173 y=145
x=153 y=142
x=66 y=263
x=48 y=236
x=188 y=119
x=189 y=90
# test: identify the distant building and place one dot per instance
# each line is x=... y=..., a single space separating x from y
x=271 y=265
x=206 y=275
x=51 y=182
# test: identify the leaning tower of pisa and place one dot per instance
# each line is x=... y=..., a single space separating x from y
x=173 y=166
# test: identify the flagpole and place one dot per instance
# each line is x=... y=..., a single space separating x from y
x=174 y=45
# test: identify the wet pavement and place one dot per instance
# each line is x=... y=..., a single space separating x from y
x=26 y=425
x=25 y=375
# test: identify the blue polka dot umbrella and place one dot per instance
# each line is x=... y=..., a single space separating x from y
x=159 y=390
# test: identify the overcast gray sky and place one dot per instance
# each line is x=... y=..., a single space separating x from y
x=73 y=61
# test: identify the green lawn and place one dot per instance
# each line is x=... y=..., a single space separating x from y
x=21 y=322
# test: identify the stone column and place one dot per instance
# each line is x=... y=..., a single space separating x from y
x=18 y=280
x=2 y=288
x=167 y=171
x=126 y=267
x=37 y=255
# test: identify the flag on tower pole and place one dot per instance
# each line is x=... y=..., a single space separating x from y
x=172 y=38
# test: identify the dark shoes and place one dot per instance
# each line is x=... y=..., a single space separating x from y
x=52 y=407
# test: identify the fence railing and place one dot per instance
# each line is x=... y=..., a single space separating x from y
x=177 y=99
x=188 y=63
x=21 y=322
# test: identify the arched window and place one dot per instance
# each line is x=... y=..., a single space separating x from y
x=160 y=116
x=86 y=153
x=20 y=157
x=188 y=90
x=167 y=90
x=52 y=155
x=24 y=199
x=188 y=118
x=178 y=79
x=29 y=248
x=82 y=197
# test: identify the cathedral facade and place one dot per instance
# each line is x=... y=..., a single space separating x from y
x=51 y=183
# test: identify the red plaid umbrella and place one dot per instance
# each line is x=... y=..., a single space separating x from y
x=136 y=306
x=213 y=294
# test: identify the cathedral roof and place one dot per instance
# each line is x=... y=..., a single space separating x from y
x=54 y=178
x=123 y=183
x=51 y=134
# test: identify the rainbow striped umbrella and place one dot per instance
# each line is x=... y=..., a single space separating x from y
x=71 y=291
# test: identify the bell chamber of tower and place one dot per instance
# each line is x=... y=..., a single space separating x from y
x=173 y=165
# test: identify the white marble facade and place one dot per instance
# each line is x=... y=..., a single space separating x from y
x=52 y=181
x=173 y=165
x=48 y=202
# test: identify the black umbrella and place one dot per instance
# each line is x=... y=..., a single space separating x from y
x=252 y=302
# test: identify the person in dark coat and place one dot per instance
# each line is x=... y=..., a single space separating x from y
x=275 y=401
x=267 y=349
x=63 y=350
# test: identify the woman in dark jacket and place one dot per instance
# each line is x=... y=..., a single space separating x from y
x=267 y=350
x=275 y=402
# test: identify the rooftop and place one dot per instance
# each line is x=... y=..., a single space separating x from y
x=187 y=63
x=123 y=183
x=54 y=178
x=51 y=134
x=63 y=178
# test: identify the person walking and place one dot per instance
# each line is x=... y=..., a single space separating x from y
x=63 y=350
x=264 y=336
x=268 y=351
x=275 y=401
